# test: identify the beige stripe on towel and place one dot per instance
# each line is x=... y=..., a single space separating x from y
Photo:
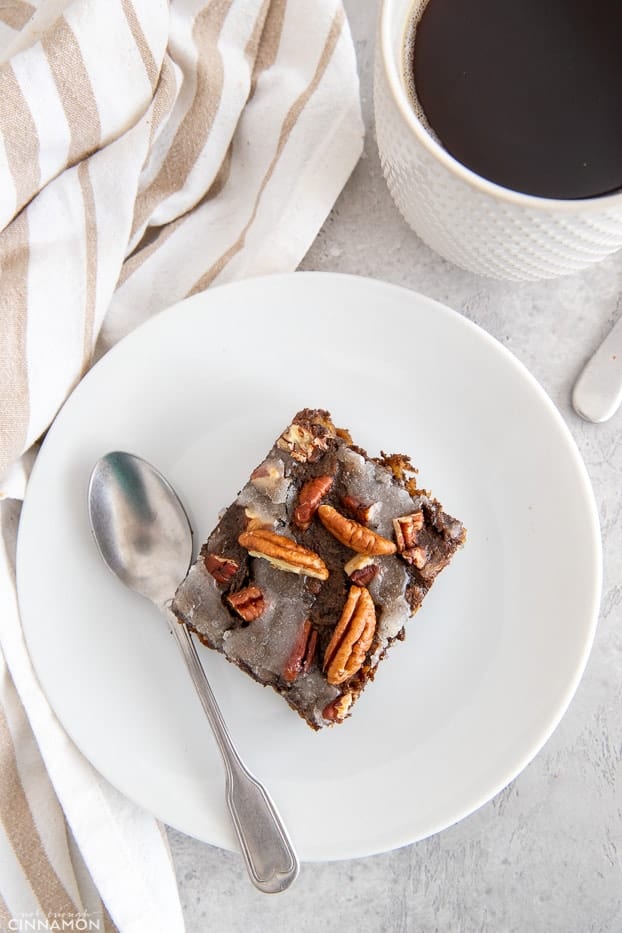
x=141 y=43
x=20 y=137
x=90 y=226
x=194 y=130
x=21 y=830
x=288 y=125
x=164 y=97
x=270 y=38
x=15 y=13
x=252 y=46
x=14 y=405
x=5 y=916
x=74 y=88
x=155 y=237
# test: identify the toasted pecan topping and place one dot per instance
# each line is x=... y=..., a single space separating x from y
x=352 y=636
x=361 y=511
x=303 y=653
x=268 y=477
x=338 y=709
x=361 y=569
x=283 y=552
x=352 y=534
x=418 y=556
x=223 y=569
x=364 y=575
x=311 y=494
x=407 y=527
x=249 y=603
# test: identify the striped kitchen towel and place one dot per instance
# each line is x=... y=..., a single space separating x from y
x=147 y=150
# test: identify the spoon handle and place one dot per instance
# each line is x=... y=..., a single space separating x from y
x=269 y=855
x=597 y=392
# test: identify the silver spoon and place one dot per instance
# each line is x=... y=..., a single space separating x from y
x=145 y=538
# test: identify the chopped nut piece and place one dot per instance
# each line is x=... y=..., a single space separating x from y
x=407 y=527
x=309 y=498
x=309 y=657
x=283 y=552
x=258 y=519
x=365 y=575
x=363 y=512
x=319 y=419
x=416 y=555
x=269 y=476
x=352 y=534
x=399 y=464
x=300 y=443
x=302 y=654
x=269 y=469
x=433 y=567
x=351 y=638
x=223 y=569
x=307 y=441
x=249 y=603
x=296 y=441
x=357 y=563
x=338 y=709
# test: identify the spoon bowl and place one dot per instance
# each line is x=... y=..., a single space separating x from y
x=140 y=526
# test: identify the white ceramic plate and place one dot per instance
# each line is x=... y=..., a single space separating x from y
x=490 y=662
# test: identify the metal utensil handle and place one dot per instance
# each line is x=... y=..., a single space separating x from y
x=269 y=855
x=598 y=390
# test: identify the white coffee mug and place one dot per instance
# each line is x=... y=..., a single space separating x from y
x=469 y=220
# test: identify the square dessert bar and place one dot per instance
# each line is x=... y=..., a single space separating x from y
x=312 y=572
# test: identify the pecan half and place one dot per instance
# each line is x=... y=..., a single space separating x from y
x=407 y=527
x=353 y=534
x=352 y=637
x=249 y=603
x=311 y=494
x=283 y=552
x=303 y=652
x=363 y=512
x=338 y=709
x=223 y=569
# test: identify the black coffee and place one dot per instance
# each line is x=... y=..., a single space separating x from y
x=527 y=93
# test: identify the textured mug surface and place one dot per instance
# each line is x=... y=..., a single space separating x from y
x=469 y=220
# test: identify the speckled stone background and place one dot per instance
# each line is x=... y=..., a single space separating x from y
x=545 y=856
